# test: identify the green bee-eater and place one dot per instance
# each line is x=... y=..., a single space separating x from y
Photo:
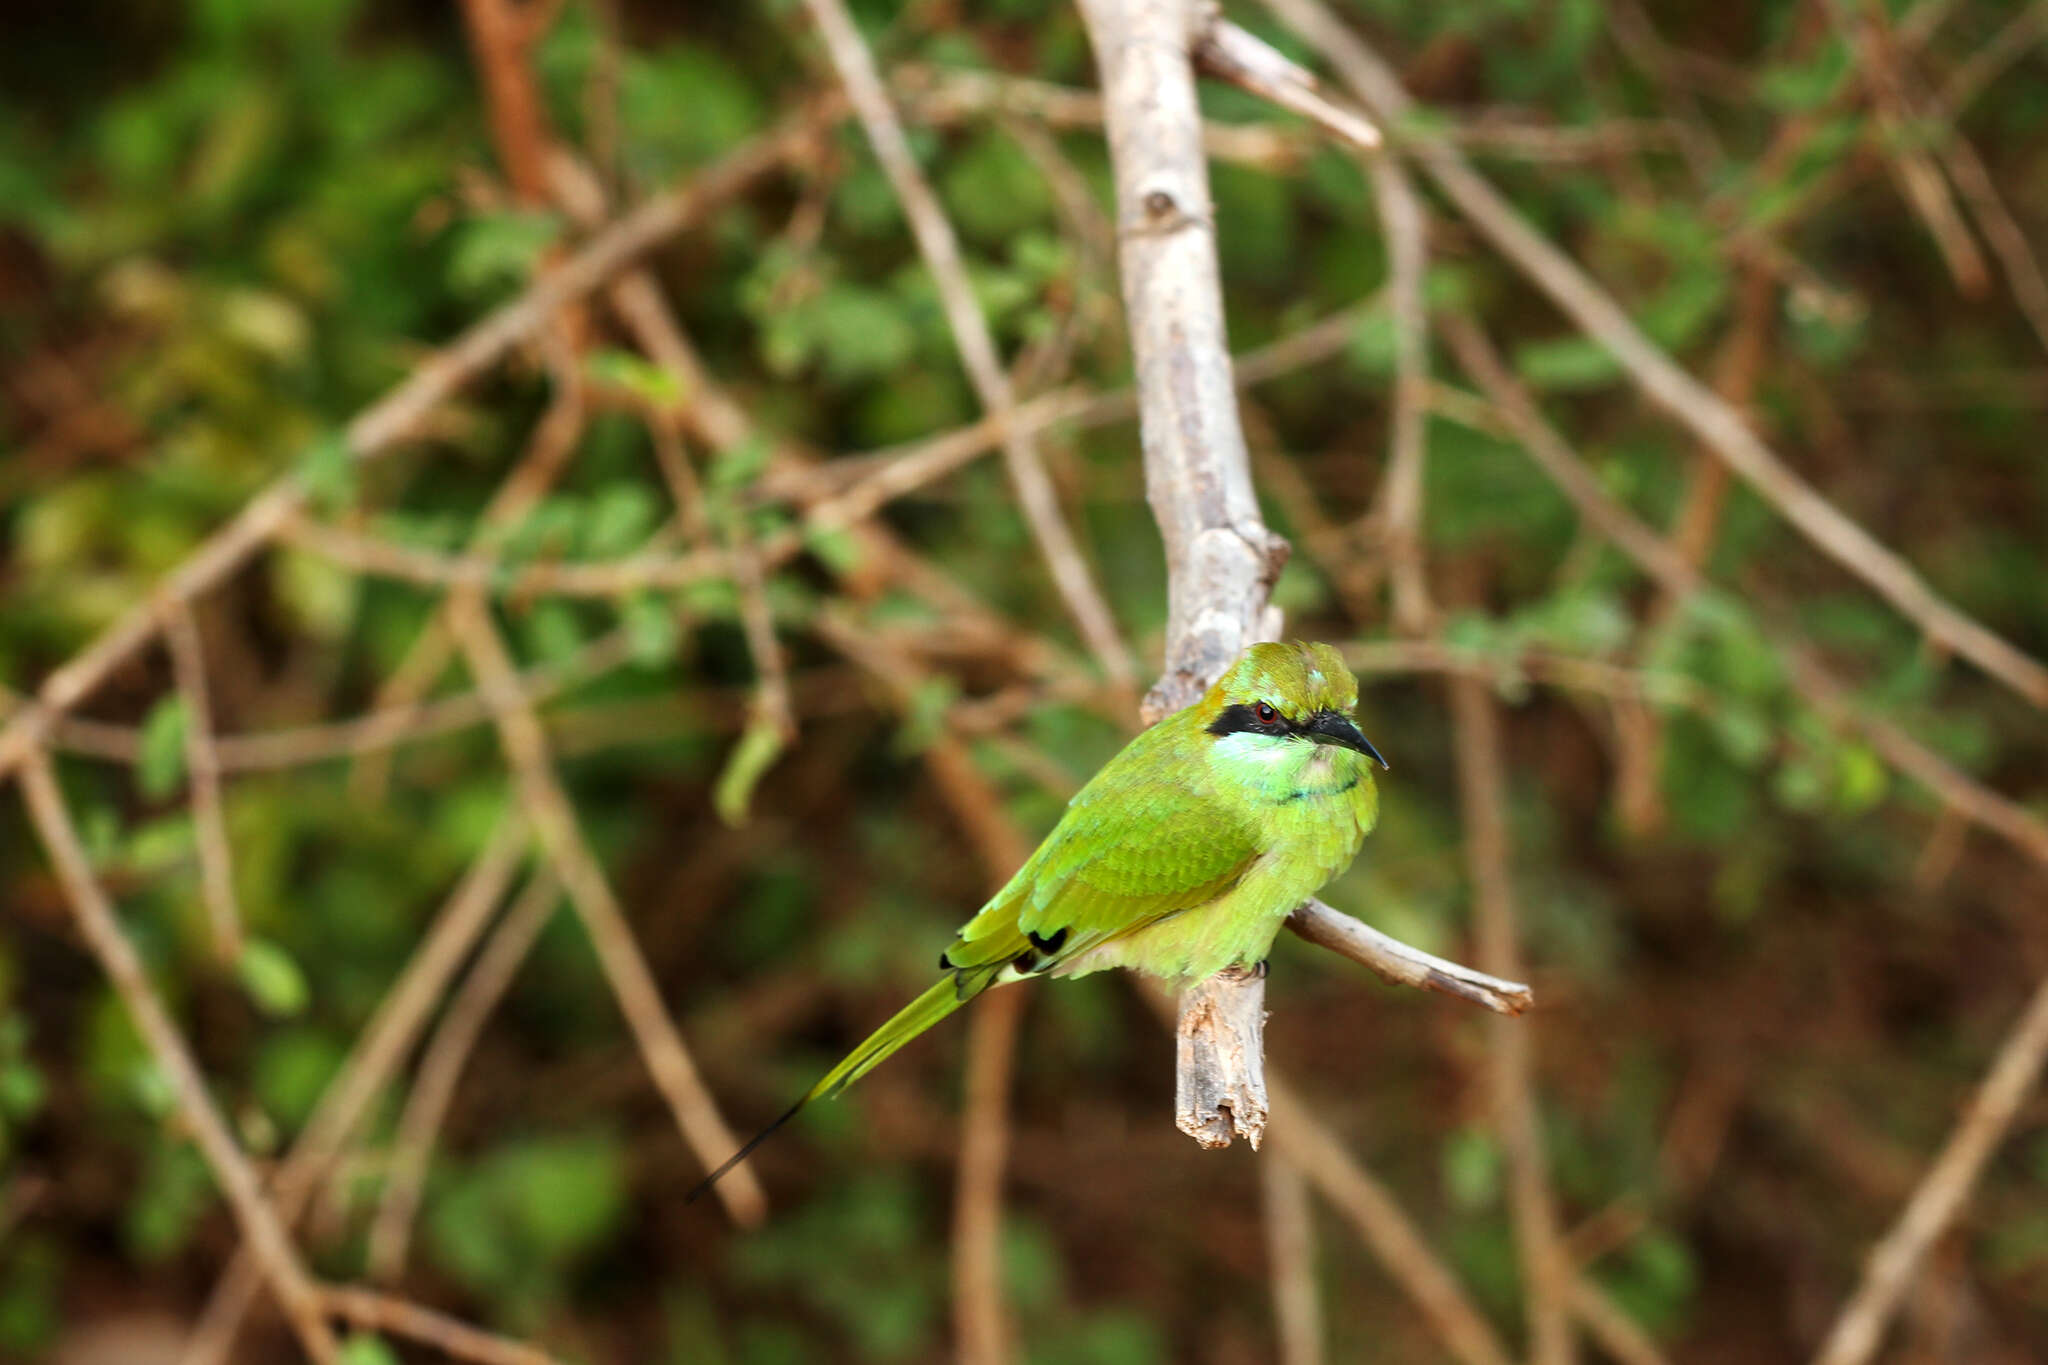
x=1179 y=858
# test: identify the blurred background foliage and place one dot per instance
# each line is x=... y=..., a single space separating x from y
x=1770 y=967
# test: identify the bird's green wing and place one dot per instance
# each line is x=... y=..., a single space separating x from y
x=1133 y=847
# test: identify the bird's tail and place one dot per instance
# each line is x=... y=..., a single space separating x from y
x=945 y=996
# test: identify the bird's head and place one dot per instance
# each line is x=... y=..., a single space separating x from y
x=1295 y=692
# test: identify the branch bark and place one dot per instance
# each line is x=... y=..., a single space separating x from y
x=1221 y=560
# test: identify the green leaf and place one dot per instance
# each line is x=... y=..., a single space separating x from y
x=751 y=758
x=618 y=519
x=654 y=628
x=327 y=469
x=160 y=765
x=499 y=251
x=1471 y=1168
x=364 y=1349
x=637 y=375
x=272 y=980
x=739 y=465
x=1567 y=364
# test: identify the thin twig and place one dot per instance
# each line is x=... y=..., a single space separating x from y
x=941 y=250
x=202 y=765
x=1227 y=52
x=1399 y=513
x=637 y=299
x=1610 y=1325
x=1402 y=965
x=375 y=1312
x=2020 y=36
x=547 y=452
x=1942 y=1192
x=262 y=1229
x=1711 y=419
x=379 y=1050
x=555 y=822
x=1547 y=1272
x=441 y=1068
x=1920 y=183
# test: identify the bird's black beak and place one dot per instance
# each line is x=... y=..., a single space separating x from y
x=1331 y=727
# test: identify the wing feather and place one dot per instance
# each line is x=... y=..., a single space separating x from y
x=1130 y=850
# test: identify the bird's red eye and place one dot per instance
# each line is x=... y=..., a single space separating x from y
x=1266 y=714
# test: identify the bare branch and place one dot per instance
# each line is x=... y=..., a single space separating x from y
x=441 y=1068
x=941 y=251
x=1291 y=1256
x=554 y=820
x=1220 y=1060
x=1402 y=965
x=1942 y=1192
x=263 y=1230
x=1547 y=1271
x=369 y=1067
x=1300 y=1137
x=1399 y=513
x=202 y=763
x=455 y=1339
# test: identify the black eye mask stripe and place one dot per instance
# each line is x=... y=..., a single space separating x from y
x=1242 y=719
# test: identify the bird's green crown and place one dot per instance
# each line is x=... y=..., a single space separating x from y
x=1292 y=691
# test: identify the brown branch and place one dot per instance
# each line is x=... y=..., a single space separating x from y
x=479 y=572
x=555 y=822
x=203 y=765
x=1862 y=26
x=547 y=452
x=979 y=1321
x=1291 y=1256
x=1610 y=1325
x=1399 y=513
x=941 y=250
x=376 y=1312
x=1547 y=1271
x=1300 y=1137
x=637 y=299
x=441 y=1067
x=1942 y=1192
x=502 y=38
x=262 y=1229
x=1697 y=407
x=369 y=1067
x=2021 y=34
x=380 y=427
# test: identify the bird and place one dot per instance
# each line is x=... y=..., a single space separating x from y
x=1179 y=858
